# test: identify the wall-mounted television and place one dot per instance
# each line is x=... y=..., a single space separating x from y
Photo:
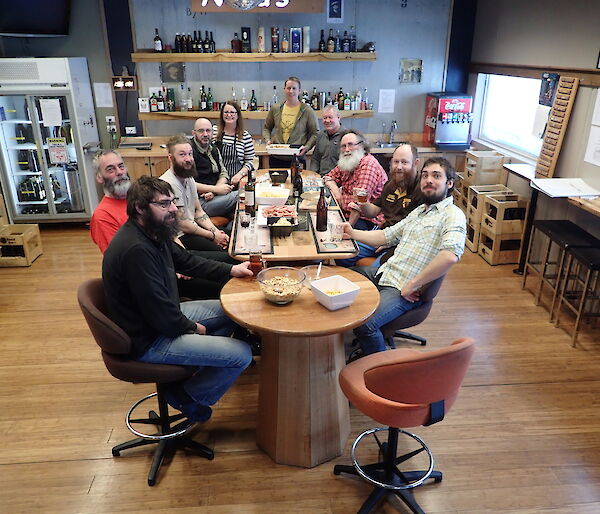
x=34 y=18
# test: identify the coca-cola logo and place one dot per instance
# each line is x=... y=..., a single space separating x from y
x=454 y=105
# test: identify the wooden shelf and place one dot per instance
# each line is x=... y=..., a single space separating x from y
x=252 y=57
x=248 y=115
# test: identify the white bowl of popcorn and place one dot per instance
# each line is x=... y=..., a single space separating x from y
x=271 y=195
x=335 y=292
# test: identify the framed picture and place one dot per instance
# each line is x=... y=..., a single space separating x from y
x=411 y=71
x=172 y=72
x=335 y=11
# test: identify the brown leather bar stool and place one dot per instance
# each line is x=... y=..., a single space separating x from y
x=559 y=234
x=580 y=288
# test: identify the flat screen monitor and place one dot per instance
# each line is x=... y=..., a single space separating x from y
x=34 y=18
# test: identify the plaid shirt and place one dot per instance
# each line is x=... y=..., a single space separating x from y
x=368 y=175
x=420 y=237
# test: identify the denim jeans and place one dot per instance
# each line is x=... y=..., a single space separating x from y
x=220 y=205
x=391 y=305
x=219 y=359
x=364 y=250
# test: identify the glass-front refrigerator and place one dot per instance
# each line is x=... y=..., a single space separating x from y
x=45 y=130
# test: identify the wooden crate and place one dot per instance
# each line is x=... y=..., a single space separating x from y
x=458 y=199
x=476 y=195
x=504 y=213
x=484 y=167
x=3 y=213
x=499 y=248
x=473 y=234
x=20 y=245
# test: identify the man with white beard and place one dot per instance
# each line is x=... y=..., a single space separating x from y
x=111 y=212
x=356 y=169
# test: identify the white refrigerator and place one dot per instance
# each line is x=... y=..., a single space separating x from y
x=48 y=133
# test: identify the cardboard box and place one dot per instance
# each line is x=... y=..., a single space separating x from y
x=20 y=245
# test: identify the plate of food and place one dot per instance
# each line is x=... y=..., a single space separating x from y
x=264 y=212
x=280 y=149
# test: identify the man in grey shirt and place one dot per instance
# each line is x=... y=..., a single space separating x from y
x=327 y=148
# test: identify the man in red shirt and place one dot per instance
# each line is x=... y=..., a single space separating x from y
x=356 y=169
x=111 y=212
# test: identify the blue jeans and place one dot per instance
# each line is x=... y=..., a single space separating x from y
x=364 y=250
x=391 y=305
x=221 y=205
x=219 y=359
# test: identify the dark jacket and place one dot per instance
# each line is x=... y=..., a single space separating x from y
x=209 y=165
x=140 y=285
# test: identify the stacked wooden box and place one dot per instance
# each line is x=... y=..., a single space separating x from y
x=459 y=193
x=484 y=167
x=503 y=219
x=474 y=214
x=20 y=245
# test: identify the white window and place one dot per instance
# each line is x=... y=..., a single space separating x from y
x=508 y=114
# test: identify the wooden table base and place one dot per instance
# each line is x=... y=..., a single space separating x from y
x=303 y=416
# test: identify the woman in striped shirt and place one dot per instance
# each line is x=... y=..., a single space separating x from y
x=234 y=143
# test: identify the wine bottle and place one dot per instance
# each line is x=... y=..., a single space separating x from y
x=330 y=42
x=190 y=100
x=158 y=44
x=297 y=184
x=340 y=99
x=322 y=212
x=213 y=45
x=160 y=103
x=209 y=100
x=195 y=42
x=322 y=44
x=345 y=42
x=249 y=198
x=206 y=43
x=177 y=43
x=202 y=99
x=253 y=102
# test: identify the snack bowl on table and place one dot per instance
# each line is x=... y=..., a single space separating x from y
x=311 y=273
x=271 y=195
x=281 y=284
x=278 y=176
x=335 y=292
x=280 y=226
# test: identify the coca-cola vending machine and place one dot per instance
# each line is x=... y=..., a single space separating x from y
x=447 y=120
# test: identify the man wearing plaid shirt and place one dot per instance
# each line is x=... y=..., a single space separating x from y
x=356 y=168
x=430 y=240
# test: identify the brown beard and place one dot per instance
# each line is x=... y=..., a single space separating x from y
x=182 y=172
x=162 y=232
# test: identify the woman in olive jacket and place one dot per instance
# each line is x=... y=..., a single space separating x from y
x=291 y=122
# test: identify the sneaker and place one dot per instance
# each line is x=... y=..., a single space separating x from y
x=355 y=354
x=177 y=398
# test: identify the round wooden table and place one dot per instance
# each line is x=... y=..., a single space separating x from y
x=303 y=416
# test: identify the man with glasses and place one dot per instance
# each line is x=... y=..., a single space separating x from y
x=216 y=194
x=197 y=231
x=430 y=240
x=356 y=169
x=139 y=282
x=327 y=148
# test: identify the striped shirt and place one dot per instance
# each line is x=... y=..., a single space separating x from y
x=420 y=237
x=236 y=153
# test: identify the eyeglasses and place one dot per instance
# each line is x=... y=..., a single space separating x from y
x=230 y=112
x=351 y=145
x=164 y=204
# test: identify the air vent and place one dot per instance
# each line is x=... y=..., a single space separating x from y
x=12 y=71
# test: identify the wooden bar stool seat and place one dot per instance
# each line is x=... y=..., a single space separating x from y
x=580 y=288
x=560 y=235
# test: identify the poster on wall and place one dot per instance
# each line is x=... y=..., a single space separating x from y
x=411 y=71
x=335 y=11
x=172 y=72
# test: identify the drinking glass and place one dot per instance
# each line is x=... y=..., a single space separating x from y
x=256 y=261
x=335 y=231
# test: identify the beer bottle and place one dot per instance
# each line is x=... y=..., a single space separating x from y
x=322 y=44
x=249 y=199
x=322 y=212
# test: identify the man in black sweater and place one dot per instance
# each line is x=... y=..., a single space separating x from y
x=138 y=272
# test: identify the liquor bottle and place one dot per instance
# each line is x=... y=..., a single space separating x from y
x=345 y=42
x=337 y=42
x=340 y=99
x=177 y=43
x=233 y=95
x=365 y=100
x=249 y=198
x=274 y=40
x=322 y=44
x=347 y=102
x=213 y=45
x=330 y=42
x=314 y=99
x=199 y=43
x=297 y=184
x=236 y=44
x=190 y=100
x=158 y=44
x=195 y=42
x=305 y=97
x=322 y=212
x=275 y=100
x=352 y=39
x=209 y=100
x=328 y=99
x=253 y=102
x=153 y=103
x=244 y=100
x=183 y=102
x=294 y=168
x=160 y=103
x=285 y=42
x=188 y=43
x=206 y=43
x=202 y=99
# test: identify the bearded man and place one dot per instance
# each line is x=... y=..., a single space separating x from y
x=197 y=231
x=141 y=294
x=356 y=169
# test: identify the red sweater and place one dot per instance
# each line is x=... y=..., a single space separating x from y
x=108 y=217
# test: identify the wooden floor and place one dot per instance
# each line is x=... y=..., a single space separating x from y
x=523 y=437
